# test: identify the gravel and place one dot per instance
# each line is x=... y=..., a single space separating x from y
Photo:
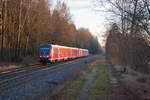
x=34 y=88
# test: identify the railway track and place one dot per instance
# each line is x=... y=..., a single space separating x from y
x=17 y=69
x=24 y=75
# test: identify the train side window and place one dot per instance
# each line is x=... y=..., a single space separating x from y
x=69 y=51
x=56 y=50
x=63 y=51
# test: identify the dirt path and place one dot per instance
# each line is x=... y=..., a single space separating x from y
x=83 y=94
x=116 y=90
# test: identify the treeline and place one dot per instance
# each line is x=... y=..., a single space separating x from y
x=128 y=42
x=25 y=24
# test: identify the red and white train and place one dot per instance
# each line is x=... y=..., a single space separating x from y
x=53 y=53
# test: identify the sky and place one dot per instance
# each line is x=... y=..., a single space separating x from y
x=84 y=15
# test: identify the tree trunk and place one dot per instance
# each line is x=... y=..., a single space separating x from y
x=2 y=30
x=19 y=30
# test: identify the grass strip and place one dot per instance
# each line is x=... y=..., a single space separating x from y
x=100 y=87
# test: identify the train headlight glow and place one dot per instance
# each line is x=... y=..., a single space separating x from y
x=40 y=56
x=47 y=56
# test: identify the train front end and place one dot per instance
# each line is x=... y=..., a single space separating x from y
x=44 y=53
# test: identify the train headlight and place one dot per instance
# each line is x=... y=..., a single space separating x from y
x=40 y=56
x=47 y=56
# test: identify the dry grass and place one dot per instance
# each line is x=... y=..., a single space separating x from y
x=11 y=65
x=5 y=66
x=135 y=82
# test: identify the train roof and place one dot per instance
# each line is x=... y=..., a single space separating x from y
x=44 y=44
x=62 y=46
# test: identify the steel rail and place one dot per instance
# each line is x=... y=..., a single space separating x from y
x=22 y=70
x=49 y=69
x=15 y=69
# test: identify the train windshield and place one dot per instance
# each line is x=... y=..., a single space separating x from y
x=44 y=50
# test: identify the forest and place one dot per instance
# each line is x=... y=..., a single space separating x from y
x=128 y=37
x=25 y=24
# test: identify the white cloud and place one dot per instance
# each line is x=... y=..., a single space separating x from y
x=85 y=16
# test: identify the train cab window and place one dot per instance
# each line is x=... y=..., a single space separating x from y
x=44 y=49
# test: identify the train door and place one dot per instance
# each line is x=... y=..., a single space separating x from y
x=55 y=53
